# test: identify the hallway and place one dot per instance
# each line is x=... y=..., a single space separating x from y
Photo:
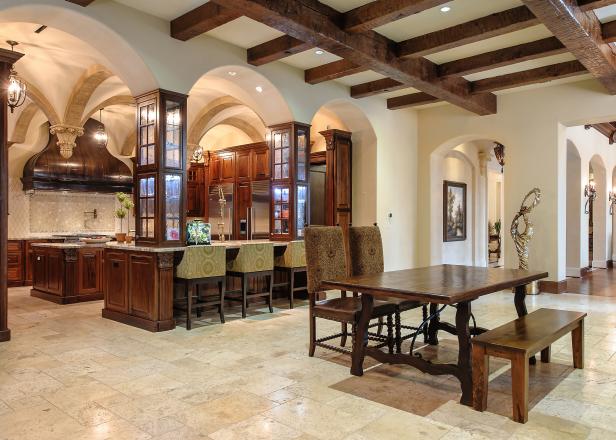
x=599 y=282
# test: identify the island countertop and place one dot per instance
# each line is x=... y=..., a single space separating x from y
x=230 y=244
x=69 y=245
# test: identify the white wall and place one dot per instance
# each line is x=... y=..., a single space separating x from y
x=575 y=213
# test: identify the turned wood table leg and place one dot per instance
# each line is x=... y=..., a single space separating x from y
x=519 y=300
x=367 y=305
x=433 y=325
x=463 y=315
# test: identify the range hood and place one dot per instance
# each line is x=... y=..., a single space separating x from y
x=91 y=168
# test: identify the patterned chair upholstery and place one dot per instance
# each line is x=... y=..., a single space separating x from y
x=253 y=257
x=202 y=262
x=294 y=255
x=326 y=260
x=366 y=249
x=201 y=265
x=253 y=260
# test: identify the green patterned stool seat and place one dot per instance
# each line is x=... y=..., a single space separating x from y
x=253 y=257
x=294 y=255
x=202 y=262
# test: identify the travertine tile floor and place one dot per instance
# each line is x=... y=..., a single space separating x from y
x=69 y=374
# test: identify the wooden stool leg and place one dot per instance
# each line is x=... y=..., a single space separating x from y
x=546 y=354
x=519 y=388
x=291 y=287
x=577 y=340
x=481 y=369
x=222 y=286
x=313 y=333
x=270 y=288
x=244 y=294
x=189 y=296
x=197 y=294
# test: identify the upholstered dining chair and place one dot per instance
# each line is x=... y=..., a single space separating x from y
x=366 y=249
x=326 y=260
x=201 y=265
x=254 y=260
x=290 y=263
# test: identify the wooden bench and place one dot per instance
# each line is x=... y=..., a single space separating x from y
x=518 y=341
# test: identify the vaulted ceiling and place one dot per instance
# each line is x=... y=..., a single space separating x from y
x=413 y=52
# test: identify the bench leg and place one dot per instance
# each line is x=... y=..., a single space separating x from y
x=577 y=339
x=519 y=388
x=481 y=368
x=546 y=354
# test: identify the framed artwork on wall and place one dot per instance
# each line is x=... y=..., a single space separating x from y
x=454 y=211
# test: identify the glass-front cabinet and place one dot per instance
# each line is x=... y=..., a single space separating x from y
x=160 y=168
x=290 y=147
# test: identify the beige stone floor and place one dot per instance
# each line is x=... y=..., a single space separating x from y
x=69 y=374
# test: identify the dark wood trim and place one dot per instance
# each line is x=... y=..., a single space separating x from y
x=66 y=299
x=473 y=31
x=275 y=50
x=135 y=321
x=375 y=14
x=7 y=59
x=610 y=264
x=370 y=50
x=318 y=158
x=331 y=71
x=411 y=100
x=83 y=3
x=580 y=32
x=585 y=271
x=372 y=88
x=553 y=286
x=202 y=19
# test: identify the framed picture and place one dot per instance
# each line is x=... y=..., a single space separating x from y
x=454 y=211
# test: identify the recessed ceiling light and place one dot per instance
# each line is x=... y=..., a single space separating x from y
x=445 y=9
x=319 y=52
x=232 y=73
x=259 y=89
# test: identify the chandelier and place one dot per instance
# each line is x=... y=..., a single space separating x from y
x=100 y=135
x=499 y=153
x=16 y=90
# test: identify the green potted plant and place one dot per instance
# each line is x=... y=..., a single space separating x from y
x=126 y=204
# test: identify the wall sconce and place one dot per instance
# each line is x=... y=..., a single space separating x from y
x=590 y=192
x=612 y=200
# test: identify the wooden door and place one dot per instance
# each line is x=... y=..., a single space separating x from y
x=260 y=165
x=89 y=265
x=116 y=281
x=142 y=285
x=55 y=271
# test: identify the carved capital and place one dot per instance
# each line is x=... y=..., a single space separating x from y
x=165 y=260
x=67 y=135
x=70 y=255
x=484 y=158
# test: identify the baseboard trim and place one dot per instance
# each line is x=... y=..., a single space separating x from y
x=553 y=286
x=610 y=264
x=5 y=335
x=585 y=271
x=599 y=264
x=574 y=272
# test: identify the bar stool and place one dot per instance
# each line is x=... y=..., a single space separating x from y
x=253 y=260
x=293 y=261
x=200 y=265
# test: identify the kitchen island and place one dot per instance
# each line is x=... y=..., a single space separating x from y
x=138 y=282
x=66 y=273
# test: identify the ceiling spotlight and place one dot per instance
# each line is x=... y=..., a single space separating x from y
x=319 y=52
x=445 y=9
x=232 y=73
x=259 y=89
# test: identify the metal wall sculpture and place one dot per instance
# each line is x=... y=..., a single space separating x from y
x=521 y=239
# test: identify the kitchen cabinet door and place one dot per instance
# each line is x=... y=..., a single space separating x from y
x=89 y=267
x=55 y=271
x=142 y=285
x=39 y=269
x=116 y=281
x=15 y=263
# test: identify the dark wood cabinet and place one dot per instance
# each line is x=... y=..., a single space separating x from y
x=338 y=184
x=15 y=263
x=115 y=281
x=90 y=272
x=260 y=164
x=39 y=269
x=214 y=168
x=141 y=285
x=195 y=190
x=227 y=167
x=242 y=163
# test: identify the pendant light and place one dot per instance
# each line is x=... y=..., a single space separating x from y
x=16 y=90
x=100 y=135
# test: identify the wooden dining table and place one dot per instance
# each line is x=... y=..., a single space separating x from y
x=440 y=286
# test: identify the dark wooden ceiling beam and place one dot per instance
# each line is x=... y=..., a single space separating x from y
x=367 y=49
x=581 y=33
x=608 y=31
x=200 y=20
x=480 y=29
x=502 y=82
x=503 y=57
x=275 y=50
x=375 y=14
x=607 y=129
x=83 y=3
x=527 y=77
x=331 y=71
x=372 y=88
x=589 y=5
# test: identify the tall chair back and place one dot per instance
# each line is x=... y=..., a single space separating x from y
x=202 y=262
x=294 y=255
x=325 y=255
x=366 y=249
x=253 y=257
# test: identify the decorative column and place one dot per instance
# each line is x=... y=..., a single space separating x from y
x=482 y=252
x=7 y=59
x=338 y=185
x=67 y=136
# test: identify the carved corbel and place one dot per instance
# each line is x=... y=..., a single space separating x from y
x=67 y=135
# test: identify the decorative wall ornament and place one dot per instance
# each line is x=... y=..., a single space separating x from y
x=499 y=153
x=521 y=239
x=590 y=192
x=67 y=134
x=454 y=211
x=612 y=199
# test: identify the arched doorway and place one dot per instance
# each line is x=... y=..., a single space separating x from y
x=574 y=211
x=597 y=214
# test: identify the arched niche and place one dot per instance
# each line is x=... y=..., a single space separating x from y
x=599 y=213
x=574 y=211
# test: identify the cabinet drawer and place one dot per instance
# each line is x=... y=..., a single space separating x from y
x=14 y=259
x=14 y=246
x=14 y=274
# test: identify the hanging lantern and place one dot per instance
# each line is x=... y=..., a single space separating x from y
x=16 y=90
x=499 y=153
x=100 y=135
